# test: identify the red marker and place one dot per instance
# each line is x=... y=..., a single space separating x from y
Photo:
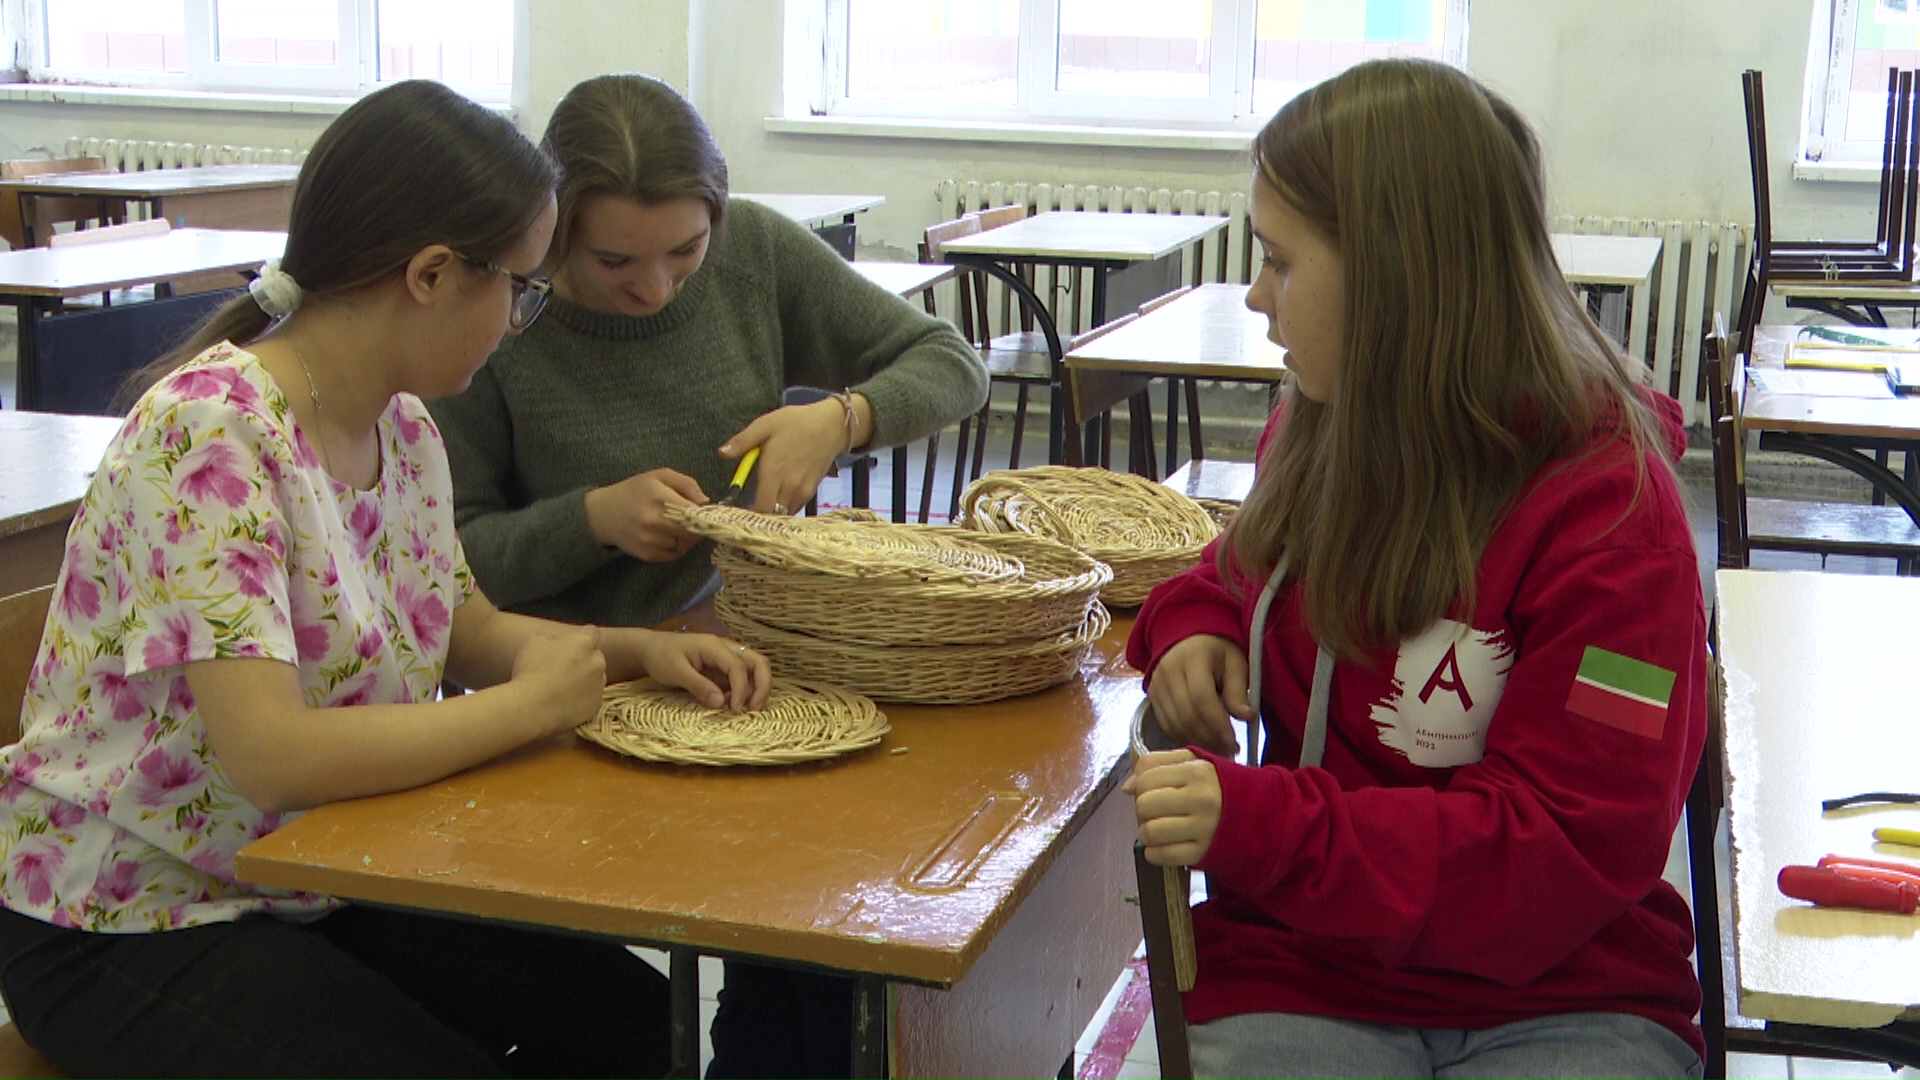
x=1831 y=888
x=1878 y=869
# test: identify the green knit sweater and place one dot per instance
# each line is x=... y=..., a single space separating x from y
x=582 y=400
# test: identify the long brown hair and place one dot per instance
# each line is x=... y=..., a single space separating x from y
x=636 y=137
x=1466 y=364
x=407 y=166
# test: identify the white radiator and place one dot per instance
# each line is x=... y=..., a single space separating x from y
x=1701 y=267
x=140 y=155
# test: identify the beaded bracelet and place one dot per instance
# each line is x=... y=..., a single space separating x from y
x=845 y=398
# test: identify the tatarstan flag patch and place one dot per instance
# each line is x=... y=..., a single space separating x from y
x=1621 y=692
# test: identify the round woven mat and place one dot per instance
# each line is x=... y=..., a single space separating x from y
x=849 y=549
x=802 y=721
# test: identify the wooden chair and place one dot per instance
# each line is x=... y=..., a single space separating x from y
x=48 y=212
x=1749 y=524
x=1890 y=255
x=1019 y=357
x=109 y=233
x=1091 y=396
x=1887 y=259
x=1196 y=445
x=1166 y=921
x=22 y=618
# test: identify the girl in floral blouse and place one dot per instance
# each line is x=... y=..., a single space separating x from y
x=260 y=597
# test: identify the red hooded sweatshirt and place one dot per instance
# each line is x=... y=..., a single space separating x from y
x=1484 y=838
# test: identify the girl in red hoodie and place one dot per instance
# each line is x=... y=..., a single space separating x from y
x=1466 y=596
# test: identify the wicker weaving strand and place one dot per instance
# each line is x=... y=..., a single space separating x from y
x=1220 y=510
x=1049 y=598
x=1145 y=531
x=930 y=674
x=802 y=721
x=848 y=549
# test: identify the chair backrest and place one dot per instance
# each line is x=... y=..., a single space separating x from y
x=21 y=168
x=85 y=357
x=1164 y=299
x=968 y=283
x=1092 y=392
x=109 y=233
x=48 y=211
x=23 y=616
x=1726 y=389
x=1001 y=215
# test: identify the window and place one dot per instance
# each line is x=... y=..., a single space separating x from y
x=1211 y=62
x=326 y=46
x=1849 y=122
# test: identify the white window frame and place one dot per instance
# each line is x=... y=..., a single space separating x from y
x=1228 y=105
x=355 y=70
x=1830 y=83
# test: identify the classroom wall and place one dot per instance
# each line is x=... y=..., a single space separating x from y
x=1638 y=104
x=1637 y=101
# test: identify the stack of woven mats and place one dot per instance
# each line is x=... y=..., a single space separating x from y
x=930 y=614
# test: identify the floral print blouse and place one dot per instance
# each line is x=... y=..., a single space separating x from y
x=211 y=530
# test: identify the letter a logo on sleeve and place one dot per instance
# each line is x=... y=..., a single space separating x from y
x=1621 y=692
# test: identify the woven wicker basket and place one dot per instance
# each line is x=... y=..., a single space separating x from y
x=1220 y=510
x=1050 y=596
x=801 y=721
x=850 y=549
x=1146 y=532
x=928 y=674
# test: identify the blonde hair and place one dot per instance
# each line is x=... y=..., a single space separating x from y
x=1466 y=364
x=636 y=137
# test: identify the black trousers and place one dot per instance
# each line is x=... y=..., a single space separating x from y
x=361 y=992
x=775 y=1022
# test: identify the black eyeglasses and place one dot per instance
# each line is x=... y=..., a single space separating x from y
x=530 y=294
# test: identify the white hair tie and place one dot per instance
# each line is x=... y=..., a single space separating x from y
x=275 y=290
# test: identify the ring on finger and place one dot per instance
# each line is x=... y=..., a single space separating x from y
x=780 y=508
x=741 y=649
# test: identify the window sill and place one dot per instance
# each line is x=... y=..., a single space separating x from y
x=146 y=97
x=214 y=100
x=1845 y=172
x=1005 y=132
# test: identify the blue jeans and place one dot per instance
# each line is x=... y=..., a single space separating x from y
x=1570 y=1045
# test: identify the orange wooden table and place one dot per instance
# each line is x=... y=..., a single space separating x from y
x=972 y=870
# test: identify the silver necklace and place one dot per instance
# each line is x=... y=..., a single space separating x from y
x=319 y=410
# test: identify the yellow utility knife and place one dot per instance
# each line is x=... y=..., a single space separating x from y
x=737 y=488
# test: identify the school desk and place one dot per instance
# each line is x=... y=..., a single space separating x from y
x=1841 y=417
x=1132 y=258
x=211 y=197
x=829 y=216
x=904 y=279
x=1816 y=709
x=1612 y=268
x=1226 y=481
x=47 y=462
x=1859 y=303
x=971 y=872
x=40 y=281
x=1208 y=333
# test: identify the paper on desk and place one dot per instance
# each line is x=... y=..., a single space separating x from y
x=1816 y=383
